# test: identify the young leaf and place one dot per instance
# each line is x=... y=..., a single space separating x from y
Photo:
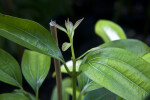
x=119 y=71
x=135 y=46
x=53 y=23
x=29 y=34
x=77 y=23
x=100 y=94
x=65 y=83
x=66 y=46
x=35 y=67
x=9 y=69
x=109 y=31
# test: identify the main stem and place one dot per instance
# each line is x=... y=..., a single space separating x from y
x=37 y=94
x=74 y=76
x=57 y=66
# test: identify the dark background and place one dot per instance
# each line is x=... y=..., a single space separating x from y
x=132 y=15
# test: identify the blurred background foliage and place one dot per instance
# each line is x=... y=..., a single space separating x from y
x=132 y=15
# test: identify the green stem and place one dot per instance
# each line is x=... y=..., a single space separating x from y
x=74 y=76
x=37 y=94
x=68 y=71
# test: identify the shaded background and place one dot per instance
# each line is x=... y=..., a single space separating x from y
x=132 y=15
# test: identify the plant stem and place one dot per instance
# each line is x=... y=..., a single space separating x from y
x=68 y=71
x=74 y=76
x=57 y=66
x=37 y=94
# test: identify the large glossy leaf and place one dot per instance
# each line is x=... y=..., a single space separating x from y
x=29 y=34
x=100 y=94
x=109 y=31
x=9 y=69
x=35 y=67
x=65 y=83
x=132 y=45
x=120 y=71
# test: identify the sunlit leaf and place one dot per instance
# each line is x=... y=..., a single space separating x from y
x=29 y=34
x=109 y=31
x=119 y=71
x=65 y=83
x=132 y=45
x=147 y=57
x=69 y=90
x=35 y=67
x=70 y=67
x=9 y=69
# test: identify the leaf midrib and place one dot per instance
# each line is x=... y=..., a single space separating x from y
x=27 y=33
x=118 y=73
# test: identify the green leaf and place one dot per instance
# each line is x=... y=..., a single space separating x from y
x=24 y=93
x=66 y=46
x=100 y=94
x=9 y=70
x=86 y=84
x=69 y=90
x=70 y=67
x=119 y=98
x=35 y=67
x=147 y=57
x=13 y=96
x=29 y=34
x=132 y=45
x=109 y=31
x=119 y=71
x=65 y=83
x=90 y=86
